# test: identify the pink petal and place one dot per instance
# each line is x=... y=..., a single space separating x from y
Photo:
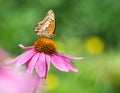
x=25 y=47
x=13 y=61
x=69 y=65
x=27 y=63
x=25 y=57
x=47 y=57
x=41 y=66
x=32 y=63
x=69 y=56
x=58 y=63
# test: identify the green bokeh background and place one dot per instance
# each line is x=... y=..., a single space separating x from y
x=76 y=21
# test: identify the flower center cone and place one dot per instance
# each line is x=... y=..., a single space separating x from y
x=45 y=45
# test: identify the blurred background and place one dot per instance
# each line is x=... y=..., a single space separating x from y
x=87 y=28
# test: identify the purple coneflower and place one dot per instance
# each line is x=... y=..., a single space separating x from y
x=41 y=54
x=14 y=81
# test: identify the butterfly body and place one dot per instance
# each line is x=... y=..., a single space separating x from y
x=46 y=27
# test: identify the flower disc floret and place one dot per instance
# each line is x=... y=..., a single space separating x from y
x=45 y=45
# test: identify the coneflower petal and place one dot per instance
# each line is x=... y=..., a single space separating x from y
x=41 y=66
x=25 y=47
x=58 y=63
x=47 y=58
x=69 y=65
x=32 y=63
x=69 y=56
x=14 y=60
x=25 y=57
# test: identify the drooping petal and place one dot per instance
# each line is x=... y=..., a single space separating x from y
x=47 y=58
x=13 y=61
x=41 y=66
x=25 y=57
x=25 y=47
x=32 y=63
x=58 y=63
x=69 y=56
x=69 y=65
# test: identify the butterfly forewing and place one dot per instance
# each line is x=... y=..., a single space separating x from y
x=46 y=27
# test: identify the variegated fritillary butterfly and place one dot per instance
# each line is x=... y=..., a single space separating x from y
x=46 y=27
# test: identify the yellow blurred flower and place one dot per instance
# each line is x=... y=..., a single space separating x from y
x=52 y=81
x=95 y=45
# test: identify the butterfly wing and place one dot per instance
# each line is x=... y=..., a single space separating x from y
x=47 y=26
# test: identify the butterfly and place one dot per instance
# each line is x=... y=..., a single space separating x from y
x=46 y=27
